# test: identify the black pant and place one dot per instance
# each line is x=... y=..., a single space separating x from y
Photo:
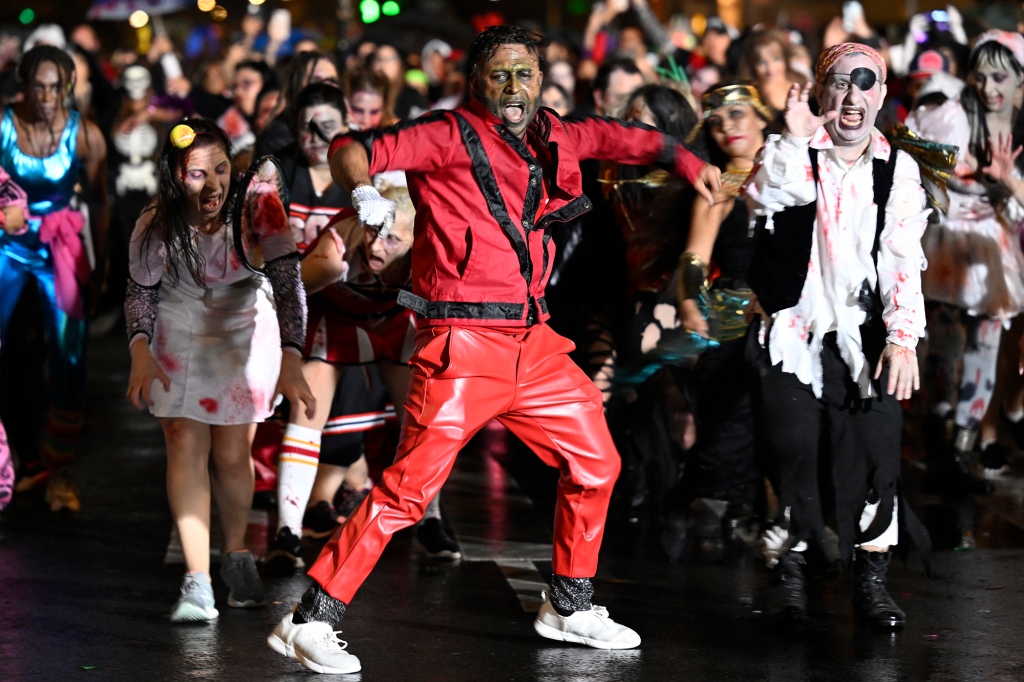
x=858 y=439
x=723 y=465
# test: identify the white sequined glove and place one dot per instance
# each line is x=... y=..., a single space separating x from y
x=374 y=210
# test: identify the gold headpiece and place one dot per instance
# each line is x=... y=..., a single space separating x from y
x=182 y=136
x=728 y=95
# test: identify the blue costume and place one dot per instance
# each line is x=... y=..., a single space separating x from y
x=49 y=183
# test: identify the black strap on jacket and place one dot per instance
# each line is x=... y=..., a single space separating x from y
x=779 y=267
x=488 y=184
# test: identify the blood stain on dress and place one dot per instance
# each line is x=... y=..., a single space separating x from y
x=209 y=404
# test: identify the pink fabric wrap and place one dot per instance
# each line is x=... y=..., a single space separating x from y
x=828 y=59
x=61 y=230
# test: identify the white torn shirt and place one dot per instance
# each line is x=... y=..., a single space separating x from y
x=841 y=244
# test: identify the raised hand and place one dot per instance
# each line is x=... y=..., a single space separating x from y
x=800 y=121
x=1004 y=156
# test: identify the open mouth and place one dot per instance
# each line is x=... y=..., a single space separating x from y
x=514 y=112
x=211 y=203
x=851 y=118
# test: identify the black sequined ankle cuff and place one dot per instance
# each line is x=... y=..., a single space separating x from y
x=571 y=594
x=316 y=606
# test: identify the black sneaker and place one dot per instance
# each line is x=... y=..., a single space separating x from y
x=284 y=555
x=348 y=498
x=320 y=520
x=993 y=460
x=436 y=542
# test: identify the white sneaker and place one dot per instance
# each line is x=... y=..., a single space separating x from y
x=196 y=602
x=593 y=628
x=314 y=645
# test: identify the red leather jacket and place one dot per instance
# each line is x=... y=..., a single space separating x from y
x=484 y=199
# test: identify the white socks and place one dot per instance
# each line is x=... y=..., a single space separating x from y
x=296 y=472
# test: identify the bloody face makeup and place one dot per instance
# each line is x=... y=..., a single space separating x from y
x=383 y=251
x=996 y=85
x=365 y=110
x=329 y=120
x=841 y=91
x=205 y=176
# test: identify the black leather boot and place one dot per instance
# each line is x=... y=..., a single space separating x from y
x=871 y=600
x=792 y=588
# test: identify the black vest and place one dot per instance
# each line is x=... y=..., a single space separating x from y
x=779 y=267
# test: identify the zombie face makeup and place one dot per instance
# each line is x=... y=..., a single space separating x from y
x=328 y=120
x=996 y=85
x=381 y=252
x=509 y=85
x=854 y=89
x=205 y=179
x=365 y=110
x=737 y=130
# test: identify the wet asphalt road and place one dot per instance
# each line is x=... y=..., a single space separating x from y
x=86 y=598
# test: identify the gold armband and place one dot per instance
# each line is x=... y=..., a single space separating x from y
x=693 y=274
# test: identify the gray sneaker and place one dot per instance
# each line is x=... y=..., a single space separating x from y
x=238 y=571
x=196 y=602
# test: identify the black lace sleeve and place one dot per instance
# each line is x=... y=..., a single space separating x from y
x=289 y=299
x=140 y=306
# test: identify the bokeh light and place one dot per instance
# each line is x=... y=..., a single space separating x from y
x=138 y=19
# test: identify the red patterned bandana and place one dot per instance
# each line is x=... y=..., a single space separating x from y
x=828 y=59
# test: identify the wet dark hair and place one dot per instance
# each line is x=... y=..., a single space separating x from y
x=610 y=66
x=269 y=77
x=672 y=113
x=487 y=43
x=29 y=65
x=169 y=224
x=319 y=93
x=297 y=75
x=40 y=54
x=995 y=53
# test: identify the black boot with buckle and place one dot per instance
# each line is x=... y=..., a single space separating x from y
x=871 y=600
x=792 y=589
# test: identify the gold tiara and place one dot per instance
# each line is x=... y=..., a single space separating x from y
x=728 y=95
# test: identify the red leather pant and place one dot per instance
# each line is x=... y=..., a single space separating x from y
x=461 y=379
